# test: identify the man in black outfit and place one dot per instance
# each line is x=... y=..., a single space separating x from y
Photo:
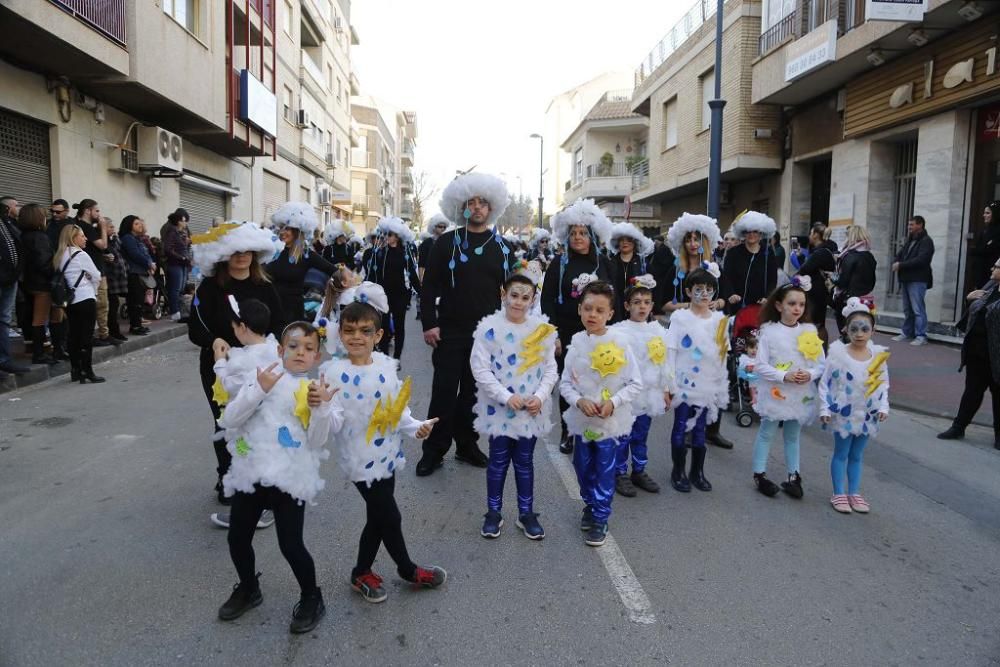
x=436 y=227
x=465 y=270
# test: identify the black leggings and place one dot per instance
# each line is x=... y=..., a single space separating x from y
x=135 y=299
x=80 y=340
x=206 y=364
x=114 y=329
x=978 y=378
x=384 y=526
x=397 y=331
x=289 y=517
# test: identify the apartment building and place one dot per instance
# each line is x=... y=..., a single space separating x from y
x=886 y=119
x=604 y=148
x=674 y=84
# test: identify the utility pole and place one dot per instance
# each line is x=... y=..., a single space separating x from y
x=541 y=175
x=716 y=105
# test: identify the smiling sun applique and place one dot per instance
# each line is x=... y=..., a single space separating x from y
x=607 y=359
x=656 y=350
x=810 y=345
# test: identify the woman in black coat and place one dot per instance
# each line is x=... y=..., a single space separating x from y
x=296 y=222
x=37 y=279
x=985 y=250
x=141 y=268
x=392 y=266
x=855 y=274
x=822 y=260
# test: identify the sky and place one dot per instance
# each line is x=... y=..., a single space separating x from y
x=480 y=74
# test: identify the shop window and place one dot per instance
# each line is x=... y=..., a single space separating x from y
x=904 y=194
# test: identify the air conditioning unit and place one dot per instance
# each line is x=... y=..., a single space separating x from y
x=302 y=118
x=123 y=160
x=325 y=197
x=338 y=25
x=160 y=150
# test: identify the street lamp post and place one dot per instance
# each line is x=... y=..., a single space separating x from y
x=716 y=105
x=541 y=174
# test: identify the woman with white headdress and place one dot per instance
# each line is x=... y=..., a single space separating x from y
x=392 y=265
x=540 y=247
x=231 y=259
x=296 y=223
x=692 y=239
x=583 y=229
x=630 y=254
x=751 y=270
x=336 y=249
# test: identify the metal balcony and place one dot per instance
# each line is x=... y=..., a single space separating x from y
x=105 y=16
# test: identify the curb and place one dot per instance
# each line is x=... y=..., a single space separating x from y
x=950 y=416
x=41 y=372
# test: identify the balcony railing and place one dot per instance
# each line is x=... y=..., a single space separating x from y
x=406 y=208
x=366 y=202
x=310 y=66
x=688 y=24
x=640 y=175
x=849 y=14
x=601 y=170
x=363 y=159
x=778 y=33
x=105 y=16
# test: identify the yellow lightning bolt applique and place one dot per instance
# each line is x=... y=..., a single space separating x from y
x=720 y=337
x=875 y=375
x=302 y=410
x=214 y=234
x=386 y=416
x=810 y=345
x=656 y=350
x=531 y=347
x=219 y=393
x=607 y=359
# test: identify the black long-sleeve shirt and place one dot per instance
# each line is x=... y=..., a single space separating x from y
x=289 y=280
x=564 y=315
x=753 y=276
x=621 y=273
x=388 y=269
x=475 y=292
x=820 y=261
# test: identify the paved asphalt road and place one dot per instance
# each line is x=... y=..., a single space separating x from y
x=107 y=556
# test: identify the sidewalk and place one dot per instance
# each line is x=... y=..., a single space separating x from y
x=160 y=331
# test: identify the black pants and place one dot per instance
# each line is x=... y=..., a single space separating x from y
x=82 y=317
x=222 y=455
x=978 y=378
x=453 y=395
x=289 y=517
x=394 y=329
x=135 y=298
x=114 y=329
x=384 y=526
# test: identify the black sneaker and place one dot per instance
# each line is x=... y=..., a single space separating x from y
x=243 y=599
x=472 y=456
x=623 y=486
x=529 y=525
x=492 y=524
x=307 y=613
x=587 y=520
x=369 y=586
x=953 y=433
x=427 y=465
x=793 y=486
x=102 y=342
x=643 y=481
x=764 y=485
x=596 y=535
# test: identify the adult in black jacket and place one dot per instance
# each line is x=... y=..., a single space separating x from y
x=37 y=277
x=855 y=275
x=913 y=270
x=336 y=250
x=750 y=273
x=436 y=226
x=394 y=268
x=465 y=270
x=11 y=265
x=59 y=219
x=296 y=222
x=985 y=249
x=822 y=260
x=140 y=268
x=232 y=268
x=661 y=265
x=630 y=252
x=582 y=229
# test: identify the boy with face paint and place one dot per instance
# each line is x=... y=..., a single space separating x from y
x=697 y=343
x=513 y=362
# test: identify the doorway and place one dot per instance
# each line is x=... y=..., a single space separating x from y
x=819 y=200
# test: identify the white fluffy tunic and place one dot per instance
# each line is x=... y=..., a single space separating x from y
x=241 y=366
x=621 y=382
x=271 y=445
x=375 y=417
x=648 y=343
x=782 y=350
x=697 y=349
x=509 y=359
x=844 y=391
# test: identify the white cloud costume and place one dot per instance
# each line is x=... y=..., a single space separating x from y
x=241 y=367
x=696 y=349
x=273 y=445
x=648 y=343
x=782 y=349
x=508 y=359
x=853 y=392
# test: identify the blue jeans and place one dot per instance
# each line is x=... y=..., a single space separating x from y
x=636 y=443
x=176 y=277
x=8 y=296
x=845 y=466
x=762 y=445
x=595 y=471
x=682 y=413
x=914 y=311
x=502 y=450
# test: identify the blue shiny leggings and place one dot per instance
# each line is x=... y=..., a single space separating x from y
x=845 y=466
x=595 y=471
x=636 y=442
x=502 y=450
x=682 y=413
x=791 y=429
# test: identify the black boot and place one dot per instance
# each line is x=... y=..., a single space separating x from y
x=954 y=432
x=243 y=599
x=58 y=334
x=38 y=353
x=74 y=371
x=698 y=480
x=87 y=368
x=678 y=479
x=307 y=612
x=713 y=436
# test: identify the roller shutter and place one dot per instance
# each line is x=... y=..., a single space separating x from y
x=202 y=205
x=25 y=167
x=275 y=194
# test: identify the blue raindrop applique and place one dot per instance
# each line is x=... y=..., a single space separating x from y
x=399 y=454
x=346 y=395
x=697 y=354
x=369 y=465
x=510 y=413
x=512 y=360
x=379 y=442
x=451 y=265
x=378 y=394
x=392 y=464
x=835 y=374
x=509 y=338
x=695 y=369
x=498 y=365
x=490 y=334
x=521 y=390
x=345 y=378
x=286 y=440
x=357 y=380
x=686 y=342
x=850 y=376
x=845 y=411
x=381 y=378
x=490 y=410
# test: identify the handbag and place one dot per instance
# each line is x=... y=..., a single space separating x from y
x=62 y=293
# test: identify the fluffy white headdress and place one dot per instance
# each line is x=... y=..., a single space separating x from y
x=752 y=221
x=391 y=225
x=356 y=239
x=219 y=243
x=537 y=234
x=643 y=244
x=690 y=222
x=856 y=305
x=333 y=230
x=470 y=185
x=437 y=219
x=532 y=270
x=373 y=295
x=645 y=280
x=297 y=215
x=582 y=212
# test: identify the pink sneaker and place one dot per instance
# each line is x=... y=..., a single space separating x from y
x=841 y=504
x=859 y=504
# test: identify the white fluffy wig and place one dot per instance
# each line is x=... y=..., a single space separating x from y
x=752 y=221
x=392 y=225
x=297 y=215
x=437 y=219
x=586 y=213
x=474 y=184
x=537 y=234
x=699 y=224
x=220 y=243
x=333 y=231
x=643 y=244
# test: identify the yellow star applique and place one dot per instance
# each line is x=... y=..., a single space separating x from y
x=656 y=350
x=531 y=347
x=607 y=359
x=810 y=345
x=386 y=415
x=219 y=393
x=302 y=410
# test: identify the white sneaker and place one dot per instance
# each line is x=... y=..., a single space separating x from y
x=266 y=519
x=900 y=338
x=919 y=340
x=176 y=317
x=220 y=519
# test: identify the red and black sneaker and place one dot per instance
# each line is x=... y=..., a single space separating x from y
x=369 y=585
x=428 y=577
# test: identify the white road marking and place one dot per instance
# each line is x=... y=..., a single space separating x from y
x=629 y=589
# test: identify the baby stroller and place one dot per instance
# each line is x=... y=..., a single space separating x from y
x=744 y=324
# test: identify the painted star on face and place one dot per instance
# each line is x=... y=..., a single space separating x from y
x=302 y=410
x=607 y=359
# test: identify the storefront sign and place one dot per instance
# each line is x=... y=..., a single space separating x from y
x=895 y=10
x=811 y=51
x=258 y=105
